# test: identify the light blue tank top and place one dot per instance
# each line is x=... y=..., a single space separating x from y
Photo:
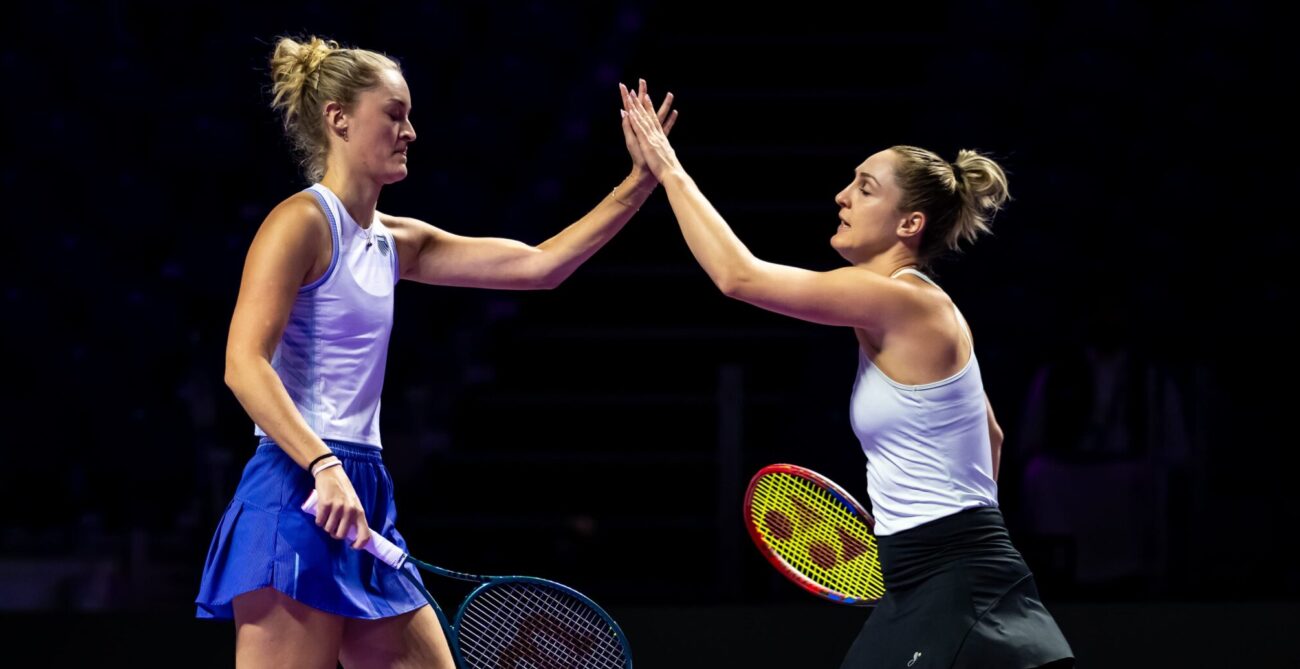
x=335 y=345
x=927 y=446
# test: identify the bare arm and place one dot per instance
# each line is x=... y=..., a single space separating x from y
x=995 y=437
x=433 y=256
x=849 y=296
x=278 y=261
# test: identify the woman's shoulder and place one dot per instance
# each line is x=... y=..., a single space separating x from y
x=933 y=304
x=297 y=226
x=398 y=224
x=935 y=325
x=300 y=210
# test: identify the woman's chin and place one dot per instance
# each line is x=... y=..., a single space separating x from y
x=843 y=247
x=839 y=247
x=396 y=176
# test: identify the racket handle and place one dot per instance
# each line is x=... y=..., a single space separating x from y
x=378 y=546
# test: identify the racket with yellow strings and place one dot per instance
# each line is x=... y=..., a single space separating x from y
x=815 y=534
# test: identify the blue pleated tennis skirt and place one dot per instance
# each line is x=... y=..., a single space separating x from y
x=265 y=540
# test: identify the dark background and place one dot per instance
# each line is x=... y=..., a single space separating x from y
x=602 y=433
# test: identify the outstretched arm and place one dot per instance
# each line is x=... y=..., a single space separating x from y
x=849 y=296
x=430 y=255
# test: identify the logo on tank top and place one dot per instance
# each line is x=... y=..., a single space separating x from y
x=383 y=244
x=914 y=658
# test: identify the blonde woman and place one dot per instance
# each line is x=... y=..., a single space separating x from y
x=306 y=354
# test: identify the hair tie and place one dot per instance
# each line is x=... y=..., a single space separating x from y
x=319 y=458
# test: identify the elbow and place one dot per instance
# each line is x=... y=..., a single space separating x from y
x=548 y=280
x=236 y=371
x=732 y=283
x=541 y=271
x=739 y=277
x=232 y=375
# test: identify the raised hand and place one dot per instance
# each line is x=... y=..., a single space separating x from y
x=639 y=118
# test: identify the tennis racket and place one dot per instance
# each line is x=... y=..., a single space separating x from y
x=515 y=622
x=815 y=534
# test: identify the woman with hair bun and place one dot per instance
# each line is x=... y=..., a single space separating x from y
x=958 y=593
x=305 y=356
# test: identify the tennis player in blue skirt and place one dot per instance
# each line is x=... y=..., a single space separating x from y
x=305 y=357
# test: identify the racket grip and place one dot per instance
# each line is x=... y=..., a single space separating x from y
x=378 y=546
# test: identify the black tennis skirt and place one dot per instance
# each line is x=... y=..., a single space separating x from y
x=958 y=595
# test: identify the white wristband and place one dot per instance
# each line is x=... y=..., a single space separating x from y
x=321 y=468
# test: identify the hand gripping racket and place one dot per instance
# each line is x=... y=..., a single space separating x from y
x=815 y=534
x=515 y=622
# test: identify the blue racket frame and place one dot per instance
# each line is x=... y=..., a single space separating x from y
x=451 y=628
x=397 y=558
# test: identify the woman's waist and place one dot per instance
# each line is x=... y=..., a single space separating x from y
x=976 y=535
x=343 y=449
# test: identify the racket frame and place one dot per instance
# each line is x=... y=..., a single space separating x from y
x=486 y=583
x=776 y=560
x=385 y=552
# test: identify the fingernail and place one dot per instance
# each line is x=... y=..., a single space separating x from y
x=622 y=114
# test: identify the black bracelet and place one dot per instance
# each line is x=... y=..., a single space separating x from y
x=318 y=459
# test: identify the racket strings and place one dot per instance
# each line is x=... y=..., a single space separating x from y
x=817 y=535
x=528 y=626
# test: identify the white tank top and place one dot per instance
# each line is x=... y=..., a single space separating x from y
x=335 y=345
x=927 y=446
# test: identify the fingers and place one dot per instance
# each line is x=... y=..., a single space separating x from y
x=338 y=511
x=643 y=96
x=629 y=99
x=629 y=127
x=672 y=120
x=663 y=108
x=639 y=101
x=334 y=524
x=629 y=133
x=348 y=522
x=340 y=519
x=363 y=533
x=324 y=511
x=631 y=112
x=634 y=108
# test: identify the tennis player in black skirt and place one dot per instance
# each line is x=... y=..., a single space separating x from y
x=958 y=593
